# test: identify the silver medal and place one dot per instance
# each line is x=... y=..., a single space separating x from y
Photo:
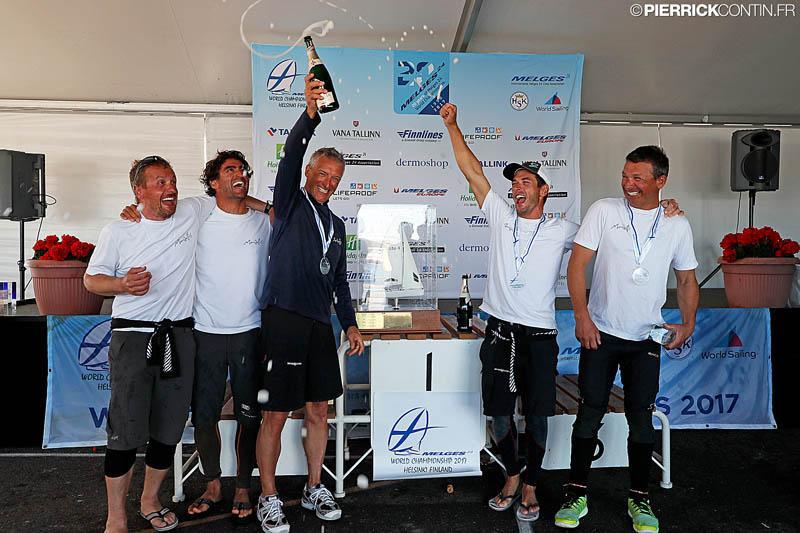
x=324 y=266
x=640 y=275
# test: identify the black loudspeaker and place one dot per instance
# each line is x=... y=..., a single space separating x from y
x=21 y=185
x=755 y=160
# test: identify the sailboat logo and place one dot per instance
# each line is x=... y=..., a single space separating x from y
x=554 y=100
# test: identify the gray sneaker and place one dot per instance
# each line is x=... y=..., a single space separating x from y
x=320 y=499
x=269 y=513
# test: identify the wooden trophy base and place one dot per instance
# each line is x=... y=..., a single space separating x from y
x=412 y=321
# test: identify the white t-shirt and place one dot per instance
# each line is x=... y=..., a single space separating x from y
x=617 y=305
x=232 y=253
x=166 y=248
x=530 y=299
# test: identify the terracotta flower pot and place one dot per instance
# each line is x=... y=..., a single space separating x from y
x=758 y=281
x=59 y=289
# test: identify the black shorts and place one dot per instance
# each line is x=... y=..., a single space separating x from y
x=144 y=405
x=535 y=362
x=217 y=354
x=300 y=362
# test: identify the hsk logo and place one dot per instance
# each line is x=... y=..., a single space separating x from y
x=279 y=85
x=408 y=432
x=735 y=350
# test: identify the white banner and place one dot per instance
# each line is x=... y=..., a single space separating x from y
x=512 y=107
x=426 y=434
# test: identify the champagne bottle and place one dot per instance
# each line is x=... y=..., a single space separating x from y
x=464 y=311
x=329 y=102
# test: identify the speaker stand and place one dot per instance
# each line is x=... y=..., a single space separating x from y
x=21 y=262
x=749 y=225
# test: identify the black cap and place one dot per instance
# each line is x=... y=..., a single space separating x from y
x=533 y=167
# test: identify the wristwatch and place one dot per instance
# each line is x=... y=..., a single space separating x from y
x=267 y=207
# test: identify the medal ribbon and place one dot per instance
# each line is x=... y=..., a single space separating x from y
x=519 y=261
x=326 y=242
x=640 y=253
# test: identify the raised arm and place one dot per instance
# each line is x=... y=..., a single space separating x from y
x=585 y=330
x=290 y=169
x=688 y=300
x=469 y=165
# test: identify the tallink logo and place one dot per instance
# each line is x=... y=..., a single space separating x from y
x=408 y=432
x=93 y=350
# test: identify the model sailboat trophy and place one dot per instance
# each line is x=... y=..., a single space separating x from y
x=397 y=271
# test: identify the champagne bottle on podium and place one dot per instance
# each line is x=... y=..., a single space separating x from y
x=316 y=67
x=464 y=311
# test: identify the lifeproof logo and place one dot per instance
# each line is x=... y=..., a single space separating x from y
x=356 y=189
x=440 y=272
x=408 y=432
x=484 y=133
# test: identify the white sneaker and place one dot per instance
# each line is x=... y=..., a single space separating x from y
x=269 y=513
x=320 y=499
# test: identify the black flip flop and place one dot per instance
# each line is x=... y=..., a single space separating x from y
x=202 y=501
x=531 y=514
x=160 y=514
x=238 y=520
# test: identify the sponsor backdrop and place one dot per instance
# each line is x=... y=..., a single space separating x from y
x=721 y=378
x=511 y=108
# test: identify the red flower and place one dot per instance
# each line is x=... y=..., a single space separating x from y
x=757 y=242
x=40 y=245
x=59 y=252
x=789 y=247
x=729 y=255
x=729 y=241
x=81 y=250
x=69 y=240
x=46 y=257
x=51 y=240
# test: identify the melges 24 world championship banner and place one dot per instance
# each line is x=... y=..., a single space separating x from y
x=510 y=108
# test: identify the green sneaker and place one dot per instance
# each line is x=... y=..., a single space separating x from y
x=572 y=510
x=642 y=516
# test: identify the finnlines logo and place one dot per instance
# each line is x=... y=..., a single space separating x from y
x=420 y=135
x=476 y=221
x=361 y=276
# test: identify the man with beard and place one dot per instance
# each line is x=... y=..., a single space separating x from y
x=308 y=268
x=149 y=269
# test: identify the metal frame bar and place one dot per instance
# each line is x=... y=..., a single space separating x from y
x=466 y=25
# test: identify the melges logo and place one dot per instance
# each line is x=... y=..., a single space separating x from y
x=540 y=80
x=553 y=104
x=541 y=139
x=408 y=432
x=360 y=159
x=420 y=192
x=420 y=135
x=359 y=189
x=279 y=85
x=477 y=221
x=484 y=133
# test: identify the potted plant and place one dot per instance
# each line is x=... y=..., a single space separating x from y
x=57 y=270
x=758 y=266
